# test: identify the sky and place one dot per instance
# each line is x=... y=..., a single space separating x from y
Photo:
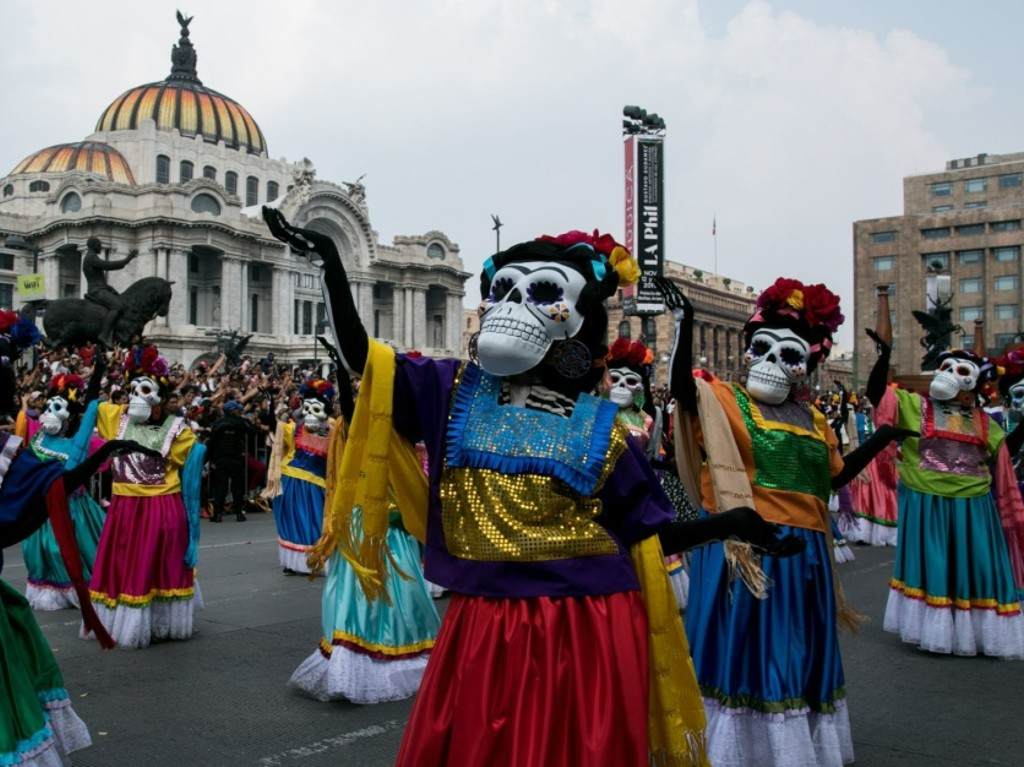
x=787 y=120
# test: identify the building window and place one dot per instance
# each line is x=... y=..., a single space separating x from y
x=945 y=189
x=976 y=204
x=971 y=313
x=969 y=230
x=193 y=263
x=193 y=305
x=935 y=234
x=252 y=191
x=321 y=316
x=883 y=236
x=307 y=318
x=7 y=262
x=1005 y=339
x=967 y=342
x=970 y=256
x=1005 y=226
x=8 y=190
x=39 y=186
x=1006 y=282
x=1007 y=311
x=6 y=295
x=71 y=203
x=435 y=250
x=206 y=203
x=1010 y=180
x=971 y=285
x=272 y=191
x=255 y=272
x=885 y=263
x=231 y=182
x=254 y=313
x=163 y=169
x=625 y=330
x=942 y=209
x=297 y=312
x=185 y=170
x=936 y=261
x=974 y=185
x=1006 y=255
x=210 y=172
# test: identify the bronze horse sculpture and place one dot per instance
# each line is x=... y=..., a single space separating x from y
x=75 y=321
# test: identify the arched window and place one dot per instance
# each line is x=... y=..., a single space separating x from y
x=624 y=330
x=231 y=182
x=39 y=186
x=8 y=190
x=185 y=170
x=210 y=172
x=71 y=203
x=435 y=250
x=252 y=191
x=206 y=203
x=272 y=191
x=163 y=169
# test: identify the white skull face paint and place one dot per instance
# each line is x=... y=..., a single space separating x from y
x=778 y=359
x=531 y=305
x=314 y=415
x=627 y=386
x=953 y=377
x=144 y=397
x=54 y=419
x=1017 y=396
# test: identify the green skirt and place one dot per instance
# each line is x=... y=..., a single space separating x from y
x=38 y=727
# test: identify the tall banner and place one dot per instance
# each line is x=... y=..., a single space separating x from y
x=645 y=218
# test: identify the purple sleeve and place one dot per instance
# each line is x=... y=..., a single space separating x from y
x=634 y=505
x=423 y=392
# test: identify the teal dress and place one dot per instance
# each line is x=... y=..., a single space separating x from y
x=953 y=588
x=49 y=587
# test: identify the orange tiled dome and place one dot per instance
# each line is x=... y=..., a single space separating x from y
x=87 y=156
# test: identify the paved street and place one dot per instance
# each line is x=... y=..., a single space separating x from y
x=221 y=698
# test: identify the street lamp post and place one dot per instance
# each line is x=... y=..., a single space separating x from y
x=17 y=242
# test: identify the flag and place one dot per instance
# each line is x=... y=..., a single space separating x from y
x=714 y=226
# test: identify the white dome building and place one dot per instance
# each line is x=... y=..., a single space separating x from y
x=178 y=172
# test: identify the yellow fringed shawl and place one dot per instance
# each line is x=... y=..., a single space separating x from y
x=369 y=472
x=675 y=718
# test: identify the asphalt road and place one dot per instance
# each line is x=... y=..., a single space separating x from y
x=221 y=698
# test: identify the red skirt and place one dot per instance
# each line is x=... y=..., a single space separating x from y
x=541 y=682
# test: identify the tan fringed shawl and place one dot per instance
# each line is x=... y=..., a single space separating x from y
x=273 y=488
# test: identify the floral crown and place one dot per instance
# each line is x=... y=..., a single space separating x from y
x=66 y=385
x=600 y=251
x=632 y=354
x=20 y=330
x=317 y=389
x=1011 y=362
x=811 y=310
x=145 y=360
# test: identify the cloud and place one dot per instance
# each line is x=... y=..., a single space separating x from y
x=786 y=128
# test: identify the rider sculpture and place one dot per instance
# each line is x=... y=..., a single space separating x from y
x=95 y=269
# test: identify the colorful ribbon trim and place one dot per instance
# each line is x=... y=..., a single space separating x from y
x=1007 y=610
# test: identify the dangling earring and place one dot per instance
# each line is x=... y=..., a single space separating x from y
x=571 y=358
x=474 y=341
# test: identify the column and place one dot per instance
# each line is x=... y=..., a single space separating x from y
x=407 y=315
x=365 y=305
x=177 y=272
x=398 y=314
x=49 y=265
x=230 y=293
x=243 y=308
x=419 y=312
x=453 y=324
x=281 y=305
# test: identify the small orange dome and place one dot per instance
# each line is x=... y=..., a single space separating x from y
x=86 y=156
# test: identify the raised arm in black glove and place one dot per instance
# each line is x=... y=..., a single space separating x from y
x=854 y=463
x=878 y=379
x=680 y=382
x=742 y=523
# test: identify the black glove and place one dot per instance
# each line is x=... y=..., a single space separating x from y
x=742 y=523
x=854 y=463
x=78 y=476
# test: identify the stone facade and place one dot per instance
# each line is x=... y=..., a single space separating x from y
x=191 y=207
x=967 y=220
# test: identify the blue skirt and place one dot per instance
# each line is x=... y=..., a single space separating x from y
x=952 y=589
x=298 y=513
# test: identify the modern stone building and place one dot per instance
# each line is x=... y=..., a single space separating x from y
x=179 y=172
x=964 y=222
x=721 y=308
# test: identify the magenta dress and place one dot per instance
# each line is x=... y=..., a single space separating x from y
x=143 y=585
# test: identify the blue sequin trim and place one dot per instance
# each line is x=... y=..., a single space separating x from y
x=485 y=435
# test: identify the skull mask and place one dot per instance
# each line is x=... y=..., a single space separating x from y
x=778 y=359
x=1017 y=396
x=627 y=387
x=54 y=419
x=314 y=415
x=954 y=377
x=531 y=305
x=144 y=397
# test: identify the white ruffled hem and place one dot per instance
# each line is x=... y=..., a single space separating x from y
x=69 y=734
x=872 y=533
x=844 y=553
x=681 y=587
x=435 y=591
x=49 y=598
x=353 y=676
x=740 y=737
x=292 y=559
x=952 y=631
x=136 y=627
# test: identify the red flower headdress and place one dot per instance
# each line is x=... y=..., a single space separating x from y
x=319 y=389
x=812 y=311
x=626 y=353
x=66 y=385
x=145 y=360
